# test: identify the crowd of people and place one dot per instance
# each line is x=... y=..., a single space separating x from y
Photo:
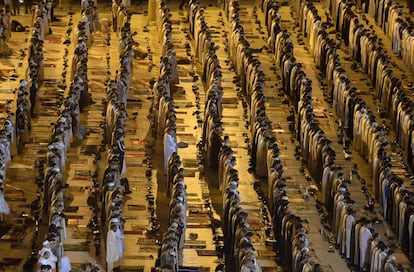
x=114 y=186
x=7 y=137
x=353 y=232
x=239 y=252
x=66 y=127
x=170 y=256
x=392 y=18
x=288 y=229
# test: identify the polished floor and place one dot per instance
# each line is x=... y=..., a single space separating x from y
x=141 y=249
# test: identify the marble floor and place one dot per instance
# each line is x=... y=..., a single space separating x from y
x=142 y=249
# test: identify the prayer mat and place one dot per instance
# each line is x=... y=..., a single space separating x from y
x=186 y=137
x=76 y=247
x=194 y=244
x=12 y=261
x=206 y=252
x=183 y=104
x=272 y=269
x=74 y=216
x=84 y=173
x=138 y=227
x=195 y=208
x=73 y=222
x=255 y=227
x=231 y=124
x=230 y=106
x=133 y=232
x=131 y=165
x=191 y=163
x=266 y=253
x=99 y=44
x=18 y=246
x=22 y=199
x=81 y=178
x=98 y=73
x=132 y=268
x=14 y=235
x=146 y=241
x=134 y=105
x=134 y=11
x=193 y=199
x=189 y=174
x=230 y=100
x=50 y=65
x=138 y=257
x=79 y=234
x=195 y=269
x=186 y=79
x=180 y=112
x=139 y=142
x=183 y=61
x=14 y=192
x=327 y=268
x=71 y=209
x=140 y=92
x=137 y=207
x=149 y=248
x=141 y=63
x=252 y=37
x=197 y=225
x=52 y=60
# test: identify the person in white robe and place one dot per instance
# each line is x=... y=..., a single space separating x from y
x=112 y=252
x=48 y=258
x=4 y=207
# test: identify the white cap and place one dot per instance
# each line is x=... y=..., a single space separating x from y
x=342 y=189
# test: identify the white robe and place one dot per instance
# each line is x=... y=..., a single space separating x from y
x=65 y=265
x=112 y=253
x=50 y=261
x=121 y=238
x=4 y=207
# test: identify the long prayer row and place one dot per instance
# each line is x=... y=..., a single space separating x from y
x=113 y=186
x=239 y=252
x=52 y=254
x=171 y=252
